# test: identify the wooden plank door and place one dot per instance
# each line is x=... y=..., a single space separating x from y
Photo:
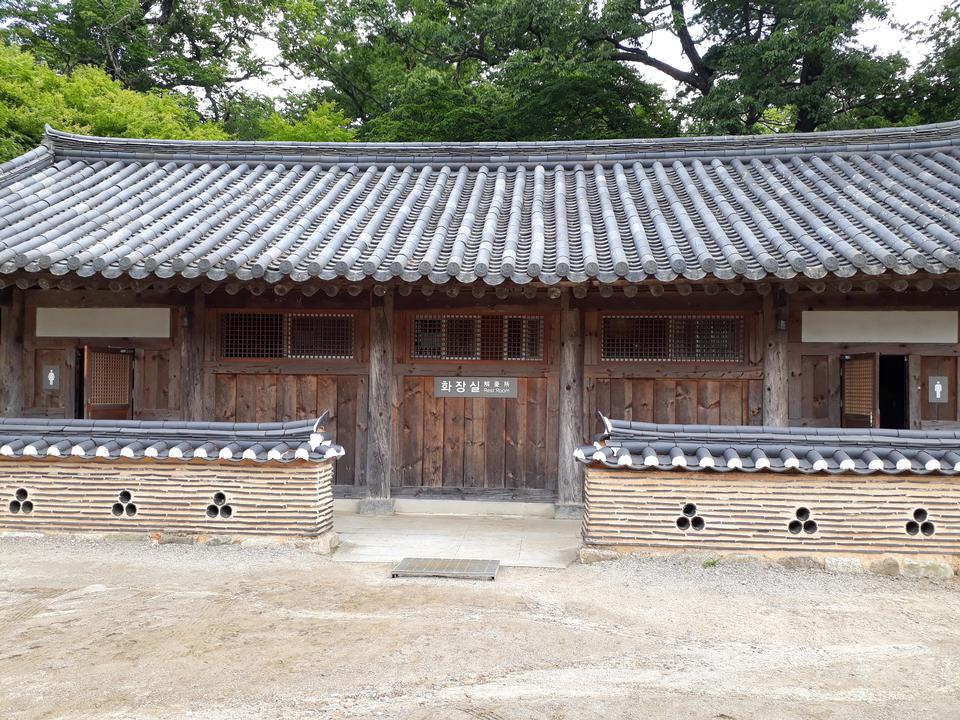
x=107 y=383
x=860 y=390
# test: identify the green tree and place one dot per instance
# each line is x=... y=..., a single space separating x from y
x=472 y=70
x=935 y=86
x=206 y=46
x=743 y=58
x=87 y=101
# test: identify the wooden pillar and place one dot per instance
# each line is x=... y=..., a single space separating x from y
x=914 y=390
x=11 y=355
x=570 y=474
x=775 y=374
x=192 y=337
x=379 y=460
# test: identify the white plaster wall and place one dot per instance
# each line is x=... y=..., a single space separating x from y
x=879 y=326
x=103 y=322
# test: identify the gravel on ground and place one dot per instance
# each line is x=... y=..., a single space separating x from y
x=109 y=629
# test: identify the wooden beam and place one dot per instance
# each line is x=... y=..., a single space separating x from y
x=379 y=460
x=569 y=472
x=775 y=371
x=11 y=355
x=914 y=388
x=192 y=335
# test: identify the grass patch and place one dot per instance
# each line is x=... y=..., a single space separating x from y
x=711 y=563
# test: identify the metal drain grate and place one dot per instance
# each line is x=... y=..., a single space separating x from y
x=446 y=568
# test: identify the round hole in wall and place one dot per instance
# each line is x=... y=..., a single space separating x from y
x=810 y=527
x=927 y=528
x=795 y=527
x=14 y=506
x=26 y=506
x=697 y=523
x=913 y=527
x=219 y=499
x=689 y=509
x=226 y=511
x=117 y=509
x=125 y=496
x=919 y=515
x=212 y=511
x=131 y=510
x=21 y=494
x=683 y=522
x=803 y=514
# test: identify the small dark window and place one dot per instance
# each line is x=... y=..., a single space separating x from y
x=321 y=336
x=251 y=335
x=478 y=337
x=677 y=338
x=286 y=335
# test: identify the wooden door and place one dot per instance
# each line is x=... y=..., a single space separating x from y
x=860 y=392
x=107 y=383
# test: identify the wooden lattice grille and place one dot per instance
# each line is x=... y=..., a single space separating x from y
x=477 y=337
x=858 y=386
x=251 y=335
x=109 y=374
x=673 y=338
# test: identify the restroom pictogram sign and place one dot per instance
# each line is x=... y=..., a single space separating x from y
x=937 y=389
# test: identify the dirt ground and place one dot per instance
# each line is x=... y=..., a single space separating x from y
x=92 y=629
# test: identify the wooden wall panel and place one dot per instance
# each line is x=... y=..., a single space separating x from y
x=938 y=413
x=478 y=443
x=752 y=511
x=157 y=384
x=269 y=397
x=667 y=400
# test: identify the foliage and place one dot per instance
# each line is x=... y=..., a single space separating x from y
x=744 y=59
x=474 y=70
x=935 y=87
x=86 y=101
x=206 y=46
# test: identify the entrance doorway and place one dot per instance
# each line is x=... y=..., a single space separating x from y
x=893 y=396
x=105 y=379
x=875 y=391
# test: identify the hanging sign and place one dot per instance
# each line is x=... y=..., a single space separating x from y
x=937 y=389
x=478 y=387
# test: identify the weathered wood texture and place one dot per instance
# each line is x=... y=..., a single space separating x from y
x=378 y=455
x=719 y=402
x=193 y=389
x=247 y=397
x=752 y=511
x=490 y=443
x=570 y=472
x=11 y=354
x=79 y=495
x=677 y=392
x=775 y=371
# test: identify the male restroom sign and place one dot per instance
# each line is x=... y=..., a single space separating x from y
x=937 y=389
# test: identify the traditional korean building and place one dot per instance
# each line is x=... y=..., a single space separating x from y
x=464 y=310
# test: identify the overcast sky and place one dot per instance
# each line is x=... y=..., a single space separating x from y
x=879 y=33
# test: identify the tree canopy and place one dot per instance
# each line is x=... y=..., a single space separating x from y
x=455 y=70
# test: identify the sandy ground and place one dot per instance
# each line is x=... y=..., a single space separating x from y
x=93 y=629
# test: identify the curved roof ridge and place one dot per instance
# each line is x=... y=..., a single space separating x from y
x=65 y=144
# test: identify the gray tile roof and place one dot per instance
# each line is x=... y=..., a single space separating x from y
x=167 y=440
x=840 y=203
x=647 y=446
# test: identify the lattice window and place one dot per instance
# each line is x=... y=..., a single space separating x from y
x=320 y=336
x=477 y=337
x=858 y=382
x=251 y=336
x=109 y=378
x=673 y=338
